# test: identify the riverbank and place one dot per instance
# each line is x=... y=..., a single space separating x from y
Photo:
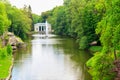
x=6 y=68
x=10 y=43
x=6 y=65
x=10 y=71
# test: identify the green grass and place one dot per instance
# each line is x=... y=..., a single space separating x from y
x=4 y=67
x=95 y=48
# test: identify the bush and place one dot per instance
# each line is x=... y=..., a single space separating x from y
x=6 y=51
x=3 y=53
x=83 y=43
x=9 y=49
x=100 y=67
x=95 y=48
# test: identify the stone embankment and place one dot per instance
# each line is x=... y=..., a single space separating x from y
x=14 y=41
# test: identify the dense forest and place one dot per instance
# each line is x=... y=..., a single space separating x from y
x=84 y=20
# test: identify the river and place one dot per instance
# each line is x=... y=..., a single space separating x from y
x=52 y=58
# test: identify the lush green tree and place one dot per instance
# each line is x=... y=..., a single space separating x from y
x=27 y=10
x=68 y=13
x=4 y=22
x=83 y=21
x=59 y=24
x=100 y=66
x=35 y=18
x=20 y=22
x=44 y=16
x=20 y=19
x=109 y=29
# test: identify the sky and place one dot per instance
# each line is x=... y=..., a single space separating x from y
x=38 y=6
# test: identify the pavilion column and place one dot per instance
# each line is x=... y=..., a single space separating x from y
x=44 y=28
x=40 y=28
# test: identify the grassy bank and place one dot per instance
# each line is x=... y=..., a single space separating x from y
x=95 y=48
x=4 y=67
x=5 y=61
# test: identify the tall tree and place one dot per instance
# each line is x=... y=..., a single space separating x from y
x=28 y=11
x=35 y=18
x=109 y=29
x=4 y=22
x=20 y=22
x=31 y=17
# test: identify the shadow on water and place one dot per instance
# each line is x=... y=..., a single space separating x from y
x=51 y=58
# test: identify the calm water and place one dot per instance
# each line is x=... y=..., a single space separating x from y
x=50 y=59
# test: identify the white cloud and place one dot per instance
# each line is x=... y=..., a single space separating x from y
x=38 y=6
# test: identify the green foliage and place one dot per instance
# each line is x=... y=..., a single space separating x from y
x=109 y=30
x=95 y=48
x=4 y=22
x=27 y=10
x=5 y=61
x=100 y=66
x=20 y=22
x=109 y=27
x=9 y=49
x=3 y=53
x=59 y=17
x=44 y=16
x=83 y=42
x=4 y=67
x=35 y=18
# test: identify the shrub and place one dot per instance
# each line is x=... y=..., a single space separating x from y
x=3 y=53
x=83 y=43
x=9 y=49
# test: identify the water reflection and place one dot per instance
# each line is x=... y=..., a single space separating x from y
x=51 y=59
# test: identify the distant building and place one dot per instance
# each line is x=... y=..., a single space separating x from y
x=42 y=27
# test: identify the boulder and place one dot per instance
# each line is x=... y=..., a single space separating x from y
x=93 y=43
x=14 y=41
